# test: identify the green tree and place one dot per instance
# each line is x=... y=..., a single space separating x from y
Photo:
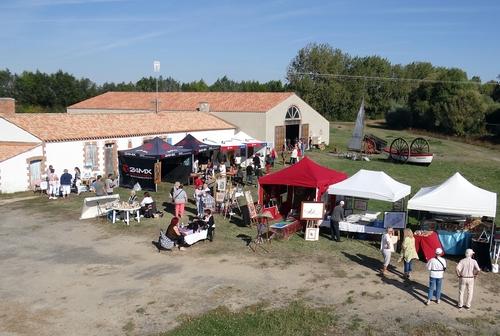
x=195 y=86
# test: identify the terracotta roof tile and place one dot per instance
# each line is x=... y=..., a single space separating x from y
x=186 y=101
x=63 y=126
x=11 y=149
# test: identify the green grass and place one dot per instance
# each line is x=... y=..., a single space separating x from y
x=296 y=319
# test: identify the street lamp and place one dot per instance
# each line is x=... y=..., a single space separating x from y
x=156 y=68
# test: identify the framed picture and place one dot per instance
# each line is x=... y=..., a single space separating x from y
x=348 y=203
x=395 y=219
x=360 y=204
x=221 y=184
x=312 y=234
x=219 y=197
x=312 y=210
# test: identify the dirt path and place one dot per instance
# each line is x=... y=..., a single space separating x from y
x=73 y=278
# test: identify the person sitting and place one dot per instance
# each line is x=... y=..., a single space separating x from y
x=133 y=197
x=147 y=206
x=210 y=223
x=174 y=234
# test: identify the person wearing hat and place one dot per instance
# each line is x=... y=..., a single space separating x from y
x=337 y=216
x=467 y=270
x=436 y=267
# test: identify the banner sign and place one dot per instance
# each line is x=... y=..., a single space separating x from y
x=250 y=204
x=133 y=170
x=157 y=172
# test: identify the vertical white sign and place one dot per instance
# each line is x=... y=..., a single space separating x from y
x=156 y=66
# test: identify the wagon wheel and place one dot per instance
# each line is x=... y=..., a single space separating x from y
x=419 y=146
x=399 y=150
x=369 y=146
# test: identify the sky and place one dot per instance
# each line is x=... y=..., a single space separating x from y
x=118 y=40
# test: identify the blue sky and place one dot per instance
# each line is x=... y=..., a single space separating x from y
x=117 y=40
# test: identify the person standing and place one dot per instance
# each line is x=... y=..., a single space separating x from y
x=180 y=199
x=387 y=247
x=199 y=196
x=408 y=252
x=436 y=267
x=66 y=183
x=99 y=187
x=77 y=181
x=53 y=183
x=336 y=217
x=294 y=155
x=110 y=184
x=467 y=270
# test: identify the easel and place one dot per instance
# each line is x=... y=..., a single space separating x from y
x=312 y=230
x=262 y=223
x=231 y=202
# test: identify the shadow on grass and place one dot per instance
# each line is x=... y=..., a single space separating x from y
x=415 y=289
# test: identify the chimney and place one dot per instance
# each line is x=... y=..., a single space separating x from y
x=7 y=106
x=204 y=107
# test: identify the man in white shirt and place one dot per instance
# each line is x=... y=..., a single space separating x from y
x=436 y=267
x=467 y=270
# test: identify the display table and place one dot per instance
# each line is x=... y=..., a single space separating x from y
x=192 y=237
x=355 y=227
x=455 y=243
x=127 y=209
x=285 y=229
x=427 y=245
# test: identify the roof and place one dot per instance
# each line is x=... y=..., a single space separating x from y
x=11 y=149
x=371 y=184
x=190 y=142
x=456 y=196
x=156 y=148
x=62 y=126
x=186 y=101
x=305 y=173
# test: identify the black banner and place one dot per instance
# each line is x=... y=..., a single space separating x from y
x=133 y=170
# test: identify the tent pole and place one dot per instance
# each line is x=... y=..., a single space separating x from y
x=156 y=185
x=492 y=238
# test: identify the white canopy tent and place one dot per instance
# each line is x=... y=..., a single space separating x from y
x=371 y=184
x=457 y=196
x=245 y=138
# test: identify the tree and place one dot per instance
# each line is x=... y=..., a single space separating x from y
x=195 y=86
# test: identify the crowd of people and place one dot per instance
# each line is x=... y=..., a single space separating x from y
x=466 y=270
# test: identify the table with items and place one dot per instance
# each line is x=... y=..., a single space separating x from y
x=126 y=209
x=192 y=236
x=360 y=223
x=284 y=229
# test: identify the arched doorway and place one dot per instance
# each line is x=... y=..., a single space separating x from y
x=292 y=125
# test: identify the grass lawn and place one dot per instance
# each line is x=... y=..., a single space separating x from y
x=480 y=165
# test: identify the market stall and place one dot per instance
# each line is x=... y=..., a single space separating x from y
x=303 y=181
x=153 y=161
x=252 y=145
x=200 y=151
x=458 y=210
x=366 y=185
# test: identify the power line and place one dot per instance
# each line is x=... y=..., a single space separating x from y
x=396 y=79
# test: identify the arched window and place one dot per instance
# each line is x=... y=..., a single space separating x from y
x=293 y=113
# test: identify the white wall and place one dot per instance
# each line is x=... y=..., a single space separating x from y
x=70 y=154
x=11 y=132
x=318 y=125
x=252 y=123
x=14 y=171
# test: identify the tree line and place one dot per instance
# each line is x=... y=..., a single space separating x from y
x=42 y=92
x=418 y=95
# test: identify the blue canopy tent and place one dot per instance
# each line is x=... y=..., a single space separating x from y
x=201 y=151
x=138 y=164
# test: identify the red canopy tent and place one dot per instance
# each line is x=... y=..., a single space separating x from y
x=306 y=173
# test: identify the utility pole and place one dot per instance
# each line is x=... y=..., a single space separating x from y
x=156 y=69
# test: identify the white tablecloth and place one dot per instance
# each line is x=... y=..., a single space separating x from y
x=355 y=227
x=192 y=238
